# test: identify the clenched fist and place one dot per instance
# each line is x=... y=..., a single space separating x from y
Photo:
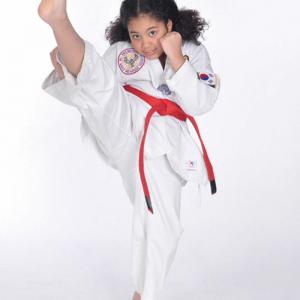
x=171 y=43
x=55 y=64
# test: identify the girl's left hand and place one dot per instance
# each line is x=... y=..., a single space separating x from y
x=171 y=43
x=55 y=64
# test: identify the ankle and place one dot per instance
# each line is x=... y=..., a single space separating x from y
x=136 y=296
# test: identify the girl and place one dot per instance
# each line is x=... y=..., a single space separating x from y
x=134 y=102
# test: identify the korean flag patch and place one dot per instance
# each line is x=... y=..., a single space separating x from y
x=208 y=78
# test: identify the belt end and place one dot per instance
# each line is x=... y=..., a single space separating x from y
x=213 y=186
x=149 y=204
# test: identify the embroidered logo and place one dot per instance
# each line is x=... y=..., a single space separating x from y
x=130 y=61
x=209 y=79
x=191 y=164
x=164 y=89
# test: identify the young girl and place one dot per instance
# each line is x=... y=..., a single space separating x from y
x=134 y=102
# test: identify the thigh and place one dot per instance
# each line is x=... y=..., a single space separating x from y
x=108 y=116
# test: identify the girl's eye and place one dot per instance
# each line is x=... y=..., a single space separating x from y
x=152 y=33
x=135 y=36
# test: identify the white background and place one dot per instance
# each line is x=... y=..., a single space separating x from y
x=65 y=221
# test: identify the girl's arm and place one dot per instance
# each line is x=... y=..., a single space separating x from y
x=70 y=44
x=195 y=84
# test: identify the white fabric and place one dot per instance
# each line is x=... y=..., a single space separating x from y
x=155 y=237
x=98 y=90
x=114 y=120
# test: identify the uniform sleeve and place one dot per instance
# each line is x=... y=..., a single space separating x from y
x=94 y=76
x=195 y=84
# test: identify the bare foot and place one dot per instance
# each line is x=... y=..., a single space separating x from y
x=136 y=296
x=52 y=11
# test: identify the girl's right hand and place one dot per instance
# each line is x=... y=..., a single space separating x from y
x=52 y=11
x=56 y=65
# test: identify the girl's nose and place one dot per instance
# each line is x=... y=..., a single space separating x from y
x=146 y=44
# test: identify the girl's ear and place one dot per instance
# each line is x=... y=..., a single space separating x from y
x=169 y=25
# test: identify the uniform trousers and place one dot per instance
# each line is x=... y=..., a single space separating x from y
x=155 y=236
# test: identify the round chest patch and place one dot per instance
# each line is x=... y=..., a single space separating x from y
x=130 y=61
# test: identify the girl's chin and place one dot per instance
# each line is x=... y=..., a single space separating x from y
x=152 y=55
x=155 y=55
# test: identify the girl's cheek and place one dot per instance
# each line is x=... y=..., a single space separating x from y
x=134 y=46
x=158 y=43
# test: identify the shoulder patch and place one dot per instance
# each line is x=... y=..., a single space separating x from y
x=207 y=78
x=130 y=61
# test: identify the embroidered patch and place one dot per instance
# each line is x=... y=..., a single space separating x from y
x=164 y=89
x=209 y=78
x=130 y=61
x=191 y=164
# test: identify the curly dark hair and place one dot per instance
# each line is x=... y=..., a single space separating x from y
x=185 y=21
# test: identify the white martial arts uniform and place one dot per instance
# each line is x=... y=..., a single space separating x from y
x=113 y=120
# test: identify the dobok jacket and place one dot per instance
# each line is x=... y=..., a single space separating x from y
x=112 y=117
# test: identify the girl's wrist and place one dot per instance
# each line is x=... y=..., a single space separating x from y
x=177 y=62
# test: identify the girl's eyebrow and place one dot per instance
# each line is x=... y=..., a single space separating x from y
x=152 y=27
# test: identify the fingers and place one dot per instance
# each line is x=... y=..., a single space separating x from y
x=56 y=65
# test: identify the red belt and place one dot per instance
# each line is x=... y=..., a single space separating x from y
x=166 y=107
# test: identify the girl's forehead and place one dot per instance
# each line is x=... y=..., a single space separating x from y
x=143 y=22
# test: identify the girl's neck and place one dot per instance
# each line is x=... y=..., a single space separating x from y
x=162 y=60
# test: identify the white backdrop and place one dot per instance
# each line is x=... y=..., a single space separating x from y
x=65 y=221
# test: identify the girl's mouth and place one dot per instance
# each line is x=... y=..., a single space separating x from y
x=149 y=53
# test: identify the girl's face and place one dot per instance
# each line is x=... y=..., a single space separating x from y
x=145 y=33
